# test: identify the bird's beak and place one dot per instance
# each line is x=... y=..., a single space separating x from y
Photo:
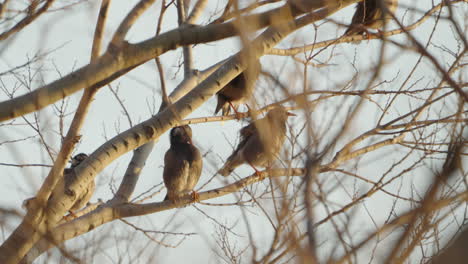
x=290 y=114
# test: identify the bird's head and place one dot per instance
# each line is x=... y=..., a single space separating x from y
x=181 y=134
x=77 y=159
x=279 y=113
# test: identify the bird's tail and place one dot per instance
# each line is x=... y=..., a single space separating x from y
x=224 y=105
x=349 y=31
x=225 y=170
x=232 y=162
x=354 y=30
x=221 y=102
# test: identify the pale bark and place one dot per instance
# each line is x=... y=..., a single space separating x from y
x=128 y=55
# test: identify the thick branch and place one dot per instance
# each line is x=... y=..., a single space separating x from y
x=25 y=21
x=132 y=55
x=127 y=56
x=110 y=212
x=129 y=20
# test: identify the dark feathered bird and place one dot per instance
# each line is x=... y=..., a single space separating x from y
x=63 y=186
x=68 y=177
x=238 y=90
x=260 y=143
x=369 y=14
x=182 y=164
x=75 y=161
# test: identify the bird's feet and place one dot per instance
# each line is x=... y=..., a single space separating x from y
x=250 y=112
x=195 y=197
x=379 y=34
x=173 y=199
x=238 y=115
x=257 y=172
x=365 y=33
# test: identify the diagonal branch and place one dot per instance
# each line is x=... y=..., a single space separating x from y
x=25 y=21
x=129 y=20
x=109 y=212
x=125 y=57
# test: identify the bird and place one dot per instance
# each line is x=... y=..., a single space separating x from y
x=260 y=142
x=238 y=90
x=68 y=177
x=369 y=14
x=75 y=161
x=183 y=164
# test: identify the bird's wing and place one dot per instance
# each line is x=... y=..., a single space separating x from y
x=196 y=167
x=247 y=133
x=235 y=89
x=251 y=134
x=176 y=171
x=366 y=14
x=235 y=159
x=249 y=130
x=359 y=14
x=357 y=20
x=221 y=104
x=366 y=11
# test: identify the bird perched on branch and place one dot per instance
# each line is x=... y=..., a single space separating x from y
x=182 y=164
x=75 y=161
x=238 y=90
x=260 y=143
x=64 y=185
x=68 y=177
x=369 y=14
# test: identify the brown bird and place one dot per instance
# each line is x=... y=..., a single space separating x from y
x=182 y=164
x=69 y=174
x=238 y=90
x=260 y=143
x=369 y=14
